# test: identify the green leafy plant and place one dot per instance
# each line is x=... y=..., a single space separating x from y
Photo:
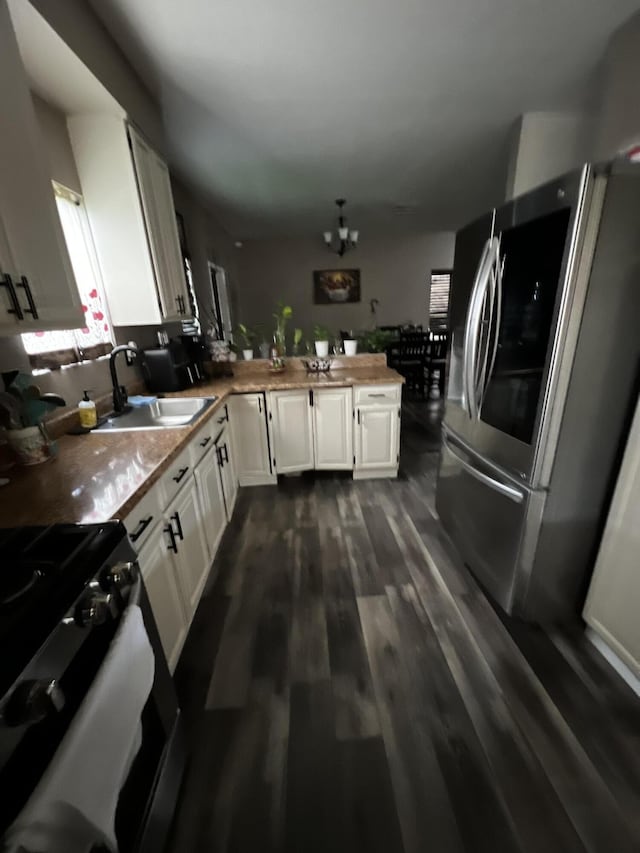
x=282 y=316
x=321 y=333
x=247 y=334
x=376 y=340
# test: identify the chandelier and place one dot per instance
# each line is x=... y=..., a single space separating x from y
x=347 y=239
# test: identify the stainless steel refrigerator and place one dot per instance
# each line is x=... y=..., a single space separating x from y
x=542 y=379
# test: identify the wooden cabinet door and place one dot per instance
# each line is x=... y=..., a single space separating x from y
x=161 y=582
x=292 y=430
x=377 y=436
x=212 y=506
x=250 y=442
x=333 y=428
x=228 y=472
x=32 y=243
x=192 y=556
x=157 y=205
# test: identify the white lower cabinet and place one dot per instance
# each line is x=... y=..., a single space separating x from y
x=292 y=430
x=377 y=441
x=332 y=428
x=161 y=582
x=209 y=485
x=187 y=542
x=228 y=476
x=251 y=440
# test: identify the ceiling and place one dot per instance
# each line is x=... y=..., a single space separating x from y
x=402 y=106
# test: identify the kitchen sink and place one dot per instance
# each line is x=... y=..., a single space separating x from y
x=165 y=413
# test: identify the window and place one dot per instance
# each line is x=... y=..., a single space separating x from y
x=53 y=349
x=439 y=300
x=189 y=327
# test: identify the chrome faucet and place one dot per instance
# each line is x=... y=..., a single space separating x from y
x=119 y=391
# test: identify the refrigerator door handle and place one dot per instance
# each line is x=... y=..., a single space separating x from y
x=474 y=319
x=508 y=491
x=469 y=328
x=494 y=323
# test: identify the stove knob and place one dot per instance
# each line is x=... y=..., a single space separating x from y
x=32 y=701
x=119 y=576
x=95 y=609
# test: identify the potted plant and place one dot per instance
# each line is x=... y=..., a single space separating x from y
x=297 y=338
x=248 y=335
x=350 y=344
x=283 y=314
x=321 y=338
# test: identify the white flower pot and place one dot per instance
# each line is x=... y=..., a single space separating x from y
x=350 y=347
x=30 y=444
x=322 y=349
x=247 y=354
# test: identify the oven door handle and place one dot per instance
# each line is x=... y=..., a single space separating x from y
x=510 y=492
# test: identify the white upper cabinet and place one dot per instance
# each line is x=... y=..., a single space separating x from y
x=250 y=440
x=292 y=430
x=38 y=289
x=127 y=193
x=333 y=432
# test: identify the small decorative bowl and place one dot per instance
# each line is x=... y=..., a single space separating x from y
x=317 y=365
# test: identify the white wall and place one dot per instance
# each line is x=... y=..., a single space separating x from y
x=545 y=145
x=619 y=115
x=394 y=269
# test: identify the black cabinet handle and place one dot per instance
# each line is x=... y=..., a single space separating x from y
x=219 y=455
x=179 y=301
x=221 y=420
x=224 y=417
x=181 y=474
x=205 y=441
x=358 y=415
x=259 y=404
x=140 y=529
x=172 y=546
x=310 y=396
x=24 y=282
x=13 y=296
x=226 y=452
x=176 y=517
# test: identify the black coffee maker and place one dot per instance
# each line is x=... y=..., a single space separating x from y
x=173 y=367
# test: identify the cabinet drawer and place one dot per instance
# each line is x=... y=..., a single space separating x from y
x=376 y=395
x=204 y=439
x=175 y=476
x=143 y=517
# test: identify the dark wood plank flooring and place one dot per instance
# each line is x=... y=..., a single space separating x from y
x=347 y=687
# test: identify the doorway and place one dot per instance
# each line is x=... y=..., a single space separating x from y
x=220 y=302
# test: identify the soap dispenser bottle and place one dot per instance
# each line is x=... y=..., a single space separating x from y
x=87 y=411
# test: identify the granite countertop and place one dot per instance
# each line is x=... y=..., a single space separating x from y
x=103 y=475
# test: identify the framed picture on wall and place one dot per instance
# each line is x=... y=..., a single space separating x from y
x=336 y=286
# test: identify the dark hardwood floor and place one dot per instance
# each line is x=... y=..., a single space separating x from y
x=347 y=687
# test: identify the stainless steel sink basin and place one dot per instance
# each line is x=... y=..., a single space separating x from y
x=166 y=413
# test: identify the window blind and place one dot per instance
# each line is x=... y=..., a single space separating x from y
x=439 y=300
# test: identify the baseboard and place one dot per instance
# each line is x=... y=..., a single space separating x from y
x=375 y=473
x=613 y=660
x=262 y=480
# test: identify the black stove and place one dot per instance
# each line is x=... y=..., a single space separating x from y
x=63 y=592
x=43 y=571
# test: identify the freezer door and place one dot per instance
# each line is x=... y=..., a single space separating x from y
x=486 y=514
x=470 y=245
